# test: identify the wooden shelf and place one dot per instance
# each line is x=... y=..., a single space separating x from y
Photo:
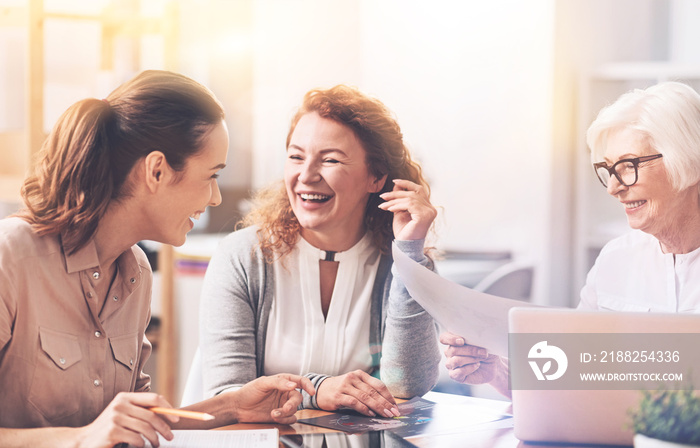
x=652 y=70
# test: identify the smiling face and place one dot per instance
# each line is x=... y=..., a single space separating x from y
x=328 y=182
x=196 y=188
x=651 y=204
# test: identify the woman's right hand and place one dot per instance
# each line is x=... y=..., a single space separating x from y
x=359 y=391
x=126 y=419
x=413 y=212
x=468 y=364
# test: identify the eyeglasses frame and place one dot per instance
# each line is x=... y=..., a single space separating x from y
x=635 y=162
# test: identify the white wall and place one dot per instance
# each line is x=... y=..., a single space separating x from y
x=297 y=45
x=684 y=31
x=469 y=81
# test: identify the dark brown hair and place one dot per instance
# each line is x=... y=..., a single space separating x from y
x=86 y=159
x=381 y=138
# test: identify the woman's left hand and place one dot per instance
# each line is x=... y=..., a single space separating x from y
x=357 y=390
x=413 y=212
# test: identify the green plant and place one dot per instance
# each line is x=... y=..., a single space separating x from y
x=671 y=415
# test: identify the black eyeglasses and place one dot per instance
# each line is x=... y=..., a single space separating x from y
x=625 y=170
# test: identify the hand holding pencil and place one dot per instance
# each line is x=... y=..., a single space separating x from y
x=126 y=419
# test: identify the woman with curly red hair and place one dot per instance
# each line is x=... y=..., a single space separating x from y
x=306 y=287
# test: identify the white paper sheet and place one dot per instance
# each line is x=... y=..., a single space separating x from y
x=482 y=319
x=253 y=438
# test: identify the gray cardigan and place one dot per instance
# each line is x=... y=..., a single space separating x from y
x=235 y=306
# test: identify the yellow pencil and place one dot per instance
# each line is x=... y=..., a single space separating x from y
x=182 y=413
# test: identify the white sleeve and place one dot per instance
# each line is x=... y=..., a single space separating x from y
x=589 y=293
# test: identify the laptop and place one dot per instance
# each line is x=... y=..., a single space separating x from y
x=575 y=375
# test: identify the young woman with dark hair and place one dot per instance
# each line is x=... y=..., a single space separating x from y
x=75 y=288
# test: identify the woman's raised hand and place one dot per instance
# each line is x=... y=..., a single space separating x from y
x=413 y=212
x=359 y=391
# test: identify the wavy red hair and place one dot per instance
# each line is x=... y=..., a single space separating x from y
x=381 y=137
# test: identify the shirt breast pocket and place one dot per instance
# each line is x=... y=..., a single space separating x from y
x=56 y=385
x=615 y=303
x=125 y=350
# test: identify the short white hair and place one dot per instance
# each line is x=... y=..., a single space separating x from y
x=668 y=115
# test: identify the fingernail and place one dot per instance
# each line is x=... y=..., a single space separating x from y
x=276 y=413
x=460 y=341
x=396 y=412
x=483 y=353
x=388 y=413
x=291 y=384
x=372 y=414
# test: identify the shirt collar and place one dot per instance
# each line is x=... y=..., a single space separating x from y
x=129 y=268
x=86 y=258
x=82 y=259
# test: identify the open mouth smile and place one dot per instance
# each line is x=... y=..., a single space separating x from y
x=635 y=204
x=318 y=198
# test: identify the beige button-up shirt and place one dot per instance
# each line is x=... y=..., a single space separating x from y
x=64 y=352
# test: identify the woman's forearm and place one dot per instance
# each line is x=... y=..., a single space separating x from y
x=40 y=437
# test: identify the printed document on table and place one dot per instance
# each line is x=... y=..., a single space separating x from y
x=482 y=319
x=253 y=438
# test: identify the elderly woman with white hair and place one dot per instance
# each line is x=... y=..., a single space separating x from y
x=646 y=152
x=645 y=149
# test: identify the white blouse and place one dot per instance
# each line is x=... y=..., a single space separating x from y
x=633 y=274
x=299 y=340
